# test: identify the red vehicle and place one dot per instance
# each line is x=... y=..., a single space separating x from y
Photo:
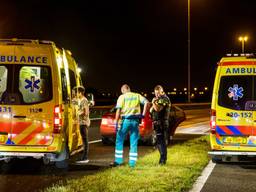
x=147 y=135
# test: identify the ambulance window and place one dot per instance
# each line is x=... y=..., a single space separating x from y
x=235 y=91
x=3 y=80
x=72 y=78
x=35 y=84
x=64 y=86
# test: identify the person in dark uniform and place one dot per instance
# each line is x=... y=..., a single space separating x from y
x=160 y=111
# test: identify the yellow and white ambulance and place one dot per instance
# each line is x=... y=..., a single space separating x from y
x=233 y=109
x=37 y=118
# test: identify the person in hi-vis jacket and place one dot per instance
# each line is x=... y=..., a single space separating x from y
x=128 y=111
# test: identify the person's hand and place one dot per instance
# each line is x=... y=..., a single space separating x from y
x=154 y=100
x=141 y=116
x=116 y=126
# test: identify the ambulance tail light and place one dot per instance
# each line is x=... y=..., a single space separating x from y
x=57 y=119
x=213 y=121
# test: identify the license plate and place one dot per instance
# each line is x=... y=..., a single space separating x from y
x=234 y=140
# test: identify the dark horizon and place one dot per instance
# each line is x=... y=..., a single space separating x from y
x=141 y=43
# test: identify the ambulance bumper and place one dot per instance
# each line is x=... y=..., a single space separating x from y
x=50 y=156
x=214 y=153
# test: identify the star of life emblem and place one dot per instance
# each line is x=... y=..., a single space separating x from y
x=235 y=92
x=32 y=84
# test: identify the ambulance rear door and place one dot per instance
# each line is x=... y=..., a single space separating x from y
x=234 y=119
x=26 y=95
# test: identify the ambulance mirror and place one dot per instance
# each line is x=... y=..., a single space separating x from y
x=90 y=98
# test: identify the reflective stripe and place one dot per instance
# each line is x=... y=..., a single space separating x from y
x=133 y=158
x=131 y=108
x=133 y=154
x=129 y=103
x=119 y=156
x=119 y=151
x=135 y=116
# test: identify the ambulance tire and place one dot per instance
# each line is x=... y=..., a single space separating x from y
x=1 y=166
x=61 y=164
x=4 y=165
x=64 y=156
x=216 y=159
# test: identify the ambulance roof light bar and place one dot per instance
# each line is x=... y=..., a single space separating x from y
x=46 y=42
x=16 y=40
x=240 y=55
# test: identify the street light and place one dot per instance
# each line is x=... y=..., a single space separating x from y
x=188 y=51
x=243 y=39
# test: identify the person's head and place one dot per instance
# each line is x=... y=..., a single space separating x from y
x=158 y=90
x=73 y=93
x=79 y=91
x=125 y=88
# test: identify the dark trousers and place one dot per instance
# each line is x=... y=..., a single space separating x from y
x=160 y=140
x=84 y=134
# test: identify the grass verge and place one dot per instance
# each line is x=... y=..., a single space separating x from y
x=185 y=163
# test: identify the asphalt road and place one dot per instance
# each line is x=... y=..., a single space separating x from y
x=232 y=177
x=31 y=175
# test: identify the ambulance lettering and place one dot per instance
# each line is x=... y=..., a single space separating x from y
x=23 y=59
x=242 y=114
x=35 y=110
x=246 y=114
x=241 y=70
x=233 y=114
x=5 y=109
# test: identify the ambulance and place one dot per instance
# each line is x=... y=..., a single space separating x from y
x=37 y=118
x=233 y=109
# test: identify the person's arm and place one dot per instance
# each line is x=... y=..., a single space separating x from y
x=155 y=106
x=145 y=108
x=85 y=108
x=119 y=106
x=167 y=108
x=144 y=102
x=118 y=112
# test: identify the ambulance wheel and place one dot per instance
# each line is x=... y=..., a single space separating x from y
x=62 y=160
x=1 y=165
x=46 y=161
x=61 y=164
x=216 y=159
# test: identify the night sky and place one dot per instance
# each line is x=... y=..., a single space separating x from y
x=139 y=42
